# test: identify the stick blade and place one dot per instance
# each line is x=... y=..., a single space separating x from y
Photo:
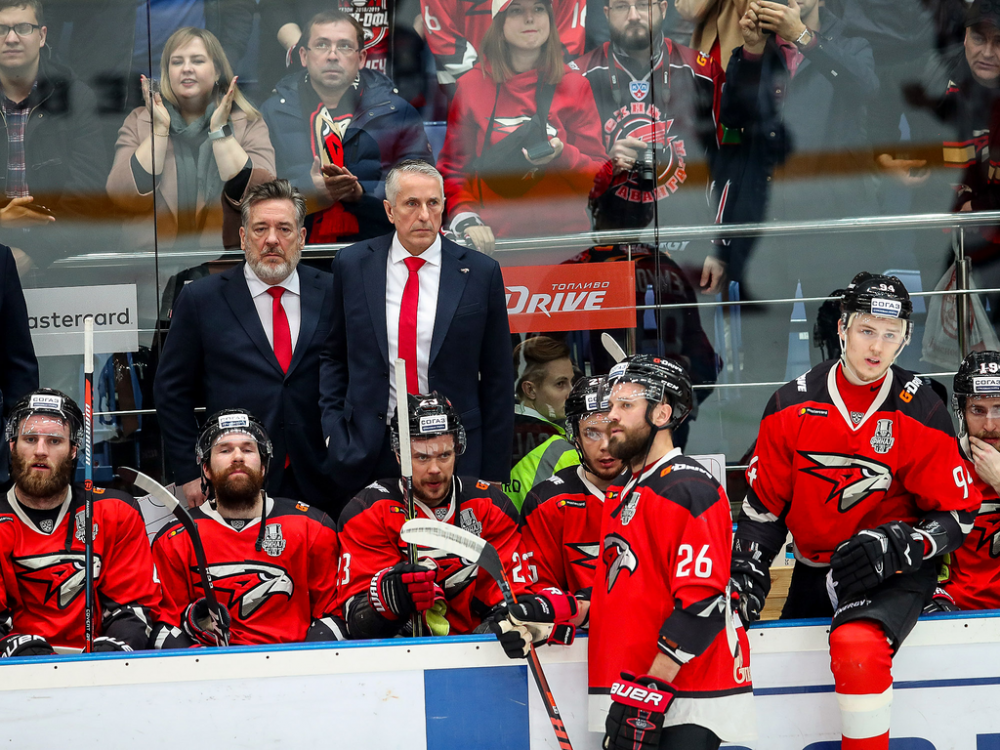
x=612 y=348
x=149 y=485
x=443 y=536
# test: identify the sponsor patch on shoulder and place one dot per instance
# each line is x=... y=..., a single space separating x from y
x=567 y=503
x=98 y=490
x=376 y=486
x=985 y=385
x=175 y=532
x=301 y=506
x=666 y=471
x=886 y=308
x=481 y=485
x=702 y=60
x=812 y=411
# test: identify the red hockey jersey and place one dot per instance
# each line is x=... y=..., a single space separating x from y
x=972 y=572
x=561 y=531
x=455 y=31
x=829 y=478
x=369 y=542
x=43 y=572
x=664 y=569
x=272 y=595
x=556 y=203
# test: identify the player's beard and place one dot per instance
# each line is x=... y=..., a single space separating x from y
x=40 y=484
x=241 y=492
x=630 y=444
x=990 y=435
x=633 y=38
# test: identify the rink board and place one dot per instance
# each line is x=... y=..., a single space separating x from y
x=464 y=693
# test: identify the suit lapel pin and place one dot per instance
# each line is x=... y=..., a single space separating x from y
x=463 y=270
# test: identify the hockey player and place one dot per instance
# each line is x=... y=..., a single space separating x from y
x=972 y=572
x=271 y=559
x=561 y=517
x=858 y=459
x=677 y=667
x=42 y=554
x=379 y=590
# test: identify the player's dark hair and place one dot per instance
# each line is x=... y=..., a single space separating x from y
x=531 y=358
x=496 y=51
x=279 y=189
x=333 y=16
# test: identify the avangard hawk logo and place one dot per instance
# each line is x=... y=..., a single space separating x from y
x=854 y=479
x=617 y=557
x=989 y=533
x=62 y=574
x=454 y=575
x=588 y=553
x=250 y=584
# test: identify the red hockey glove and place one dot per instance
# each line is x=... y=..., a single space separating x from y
x=872 y=555
x=546 y=615
x=24 y=645
x=941 y=602
x=397 y=591
x=635 y=720
x=197 y=623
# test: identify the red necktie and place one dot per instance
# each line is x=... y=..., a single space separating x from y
x=281 y=333
x=407 y=349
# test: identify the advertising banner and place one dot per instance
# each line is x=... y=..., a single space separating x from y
x=55 y=317
x=570 y=297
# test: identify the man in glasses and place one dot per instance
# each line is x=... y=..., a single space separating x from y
x=337 y=128
x=48 y=140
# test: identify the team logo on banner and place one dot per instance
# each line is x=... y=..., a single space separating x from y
x=638 y=89
x=274 y=543
x=882 y=440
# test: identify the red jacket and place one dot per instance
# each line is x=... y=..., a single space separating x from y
x=557 y=202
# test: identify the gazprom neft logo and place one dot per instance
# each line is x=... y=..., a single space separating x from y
x=232 y=421
x=433 y=424
x=886 y=308
x=41 y=401
x=986 y=385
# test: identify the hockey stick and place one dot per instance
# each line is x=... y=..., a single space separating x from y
x=612 y=348
x=457 y=541
x=88 y=481
x=163 y=495
x=406 y=468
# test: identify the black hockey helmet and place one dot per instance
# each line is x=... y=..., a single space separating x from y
x=880 y=296
x=978 y=375
x=233 y=420
x=663 y=380
x=46 y=402
x=589 y=396
x=430 y=416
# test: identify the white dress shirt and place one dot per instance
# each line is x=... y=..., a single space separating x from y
x=396 y=274
x=291 y=300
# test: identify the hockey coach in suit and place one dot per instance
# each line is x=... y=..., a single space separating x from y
x=250 y=338
x=440 y=306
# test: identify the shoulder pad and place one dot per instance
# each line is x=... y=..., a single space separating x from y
x=169 y=531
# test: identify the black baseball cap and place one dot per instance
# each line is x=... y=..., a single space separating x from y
x=983 y=11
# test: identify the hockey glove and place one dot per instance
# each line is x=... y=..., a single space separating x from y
x=546 y=615
x=107 y=643
x=635 y=720
x=940 y=602
x=197 y=624
x=751 y=579
x=514 y=638
x=25 y=645
x=397 y=591
x=872 y=555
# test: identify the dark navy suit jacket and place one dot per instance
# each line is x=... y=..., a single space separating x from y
x=18 y=366
x=470 y=361
x=217 y=355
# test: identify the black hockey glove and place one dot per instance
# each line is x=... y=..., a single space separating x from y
x=106 y=643
x=872 y=555
x=25 y=645
x=751 y=578
x=940 y=602
x=635 y=720
x=397 y=591
x=197 y=624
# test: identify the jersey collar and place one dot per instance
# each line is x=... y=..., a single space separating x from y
x=19 y=511
x=428 y=511
x=838 y=400
x=581 y=472
x=214 y=514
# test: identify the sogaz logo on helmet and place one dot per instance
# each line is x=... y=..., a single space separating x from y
x=986 y=385
x=618 y=370
x=433 y=423
x=43 y=401
x=233 y=420
x=886 y=308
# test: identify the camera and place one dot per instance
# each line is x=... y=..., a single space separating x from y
x=646 y=163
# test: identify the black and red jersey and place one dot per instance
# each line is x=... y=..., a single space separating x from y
x=973 y=570
x=561 y=530
x=662 y=587
x=369 y=542
x=272 y=595
x=827 y=475
x=43 y=571
x=673 y=103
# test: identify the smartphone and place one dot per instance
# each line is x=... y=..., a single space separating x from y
x=154 y=86
x=540 y=150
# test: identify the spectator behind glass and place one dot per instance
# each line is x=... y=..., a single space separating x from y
x=338 y=128
x=456 y=31
x=798 y=89
x=54 y=161
x=493 y=185
x=204 y=146
x=541 y=448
